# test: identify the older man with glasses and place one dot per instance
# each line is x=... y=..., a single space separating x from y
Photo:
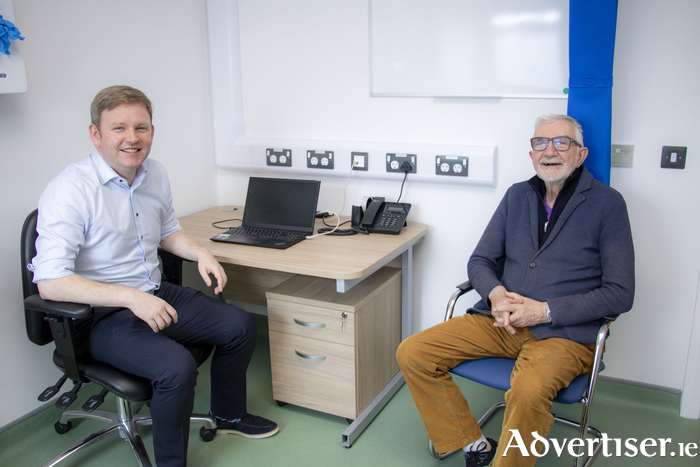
x=556 y=257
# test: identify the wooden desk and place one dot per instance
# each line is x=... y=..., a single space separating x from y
x=346 y=259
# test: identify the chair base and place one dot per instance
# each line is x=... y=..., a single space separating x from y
x=577 y=461
x=125 y=424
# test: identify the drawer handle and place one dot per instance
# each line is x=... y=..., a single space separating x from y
x=310 y=357
x=310 y=325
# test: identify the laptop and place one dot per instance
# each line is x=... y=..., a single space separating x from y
x=278 y=213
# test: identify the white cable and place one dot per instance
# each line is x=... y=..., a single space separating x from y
x=345 y=188
x=331 y=231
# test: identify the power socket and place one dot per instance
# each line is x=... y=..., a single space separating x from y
x=452 y=165
x=278 y=157
x=319 y=159
x=394 y=161
x=360 y=160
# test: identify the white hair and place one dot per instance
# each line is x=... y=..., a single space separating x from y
x=551 y=118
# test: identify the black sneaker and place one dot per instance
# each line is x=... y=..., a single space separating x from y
x=250 y=426
x=477 y=456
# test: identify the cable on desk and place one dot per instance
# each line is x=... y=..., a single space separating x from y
x=213 y=224
x=334 y=230
x=330 y=231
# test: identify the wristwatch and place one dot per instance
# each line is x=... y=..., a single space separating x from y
x=549 y=314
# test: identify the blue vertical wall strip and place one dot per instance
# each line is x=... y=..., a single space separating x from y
x=591 y=51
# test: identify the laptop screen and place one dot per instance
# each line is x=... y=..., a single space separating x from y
x=276 y=203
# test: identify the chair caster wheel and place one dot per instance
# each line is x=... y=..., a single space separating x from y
x=62 y=428
x=207 y=434
x=281 y=404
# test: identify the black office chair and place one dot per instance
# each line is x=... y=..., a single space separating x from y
x=48 y=321
x=495 y=373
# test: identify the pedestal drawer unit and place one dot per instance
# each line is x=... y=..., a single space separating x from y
x=330 y=351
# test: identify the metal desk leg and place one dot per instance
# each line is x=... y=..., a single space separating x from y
x=371 y=411
x=407 y=293
x=366 y=416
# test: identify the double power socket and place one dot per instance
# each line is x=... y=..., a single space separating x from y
x=395 y=162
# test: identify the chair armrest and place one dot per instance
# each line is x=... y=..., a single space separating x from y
x=598 y=356
x=172 y=266
x=462 y=288
x=465 y=286
x=603 y=331
x=50 y=307
x=60 y=317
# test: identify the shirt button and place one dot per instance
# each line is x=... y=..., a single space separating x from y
x=532 y=265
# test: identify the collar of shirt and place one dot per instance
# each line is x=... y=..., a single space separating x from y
x=105 y=173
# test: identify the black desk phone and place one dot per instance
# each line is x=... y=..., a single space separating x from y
x=383 y=217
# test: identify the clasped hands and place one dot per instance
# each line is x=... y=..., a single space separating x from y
x=512 y=310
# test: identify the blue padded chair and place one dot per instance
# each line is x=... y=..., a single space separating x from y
x=495 y=373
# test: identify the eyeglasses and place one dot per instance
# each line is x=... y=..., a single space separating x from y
x=560 y=143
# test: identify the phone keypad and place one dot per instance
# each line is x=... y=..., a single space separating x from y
x=389 y=221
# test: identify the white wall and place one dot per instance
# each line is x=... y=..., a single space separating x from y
x=305 y=75
x=656 y=103
x=73 y=49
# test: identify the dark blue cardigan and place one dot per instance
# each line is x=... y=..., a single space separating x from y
x=584 y=270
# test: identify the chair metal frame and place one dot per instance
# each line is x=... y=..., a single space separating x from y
x=586 y=398
x=125 y=423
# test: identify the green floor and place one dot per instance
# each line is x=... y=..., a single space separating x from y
x=395 y=438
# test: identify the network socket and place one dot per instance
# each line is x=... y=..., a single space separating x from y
x=360 y=160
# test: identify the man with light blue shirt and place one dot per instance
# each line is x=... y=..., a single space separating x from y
x=100 y=223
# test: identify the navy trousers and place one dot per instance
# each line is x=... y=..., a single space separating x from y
x=121 y=339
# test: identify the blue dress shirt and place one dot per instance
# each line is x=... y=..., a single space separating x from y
x=92 y=223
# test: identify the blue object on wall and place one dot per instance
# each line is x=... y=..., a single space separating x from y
x=592 y=26
x=8 y=32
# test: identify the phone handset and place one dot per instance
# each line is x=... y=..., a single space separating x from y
x=382 y=217
x=371 y=212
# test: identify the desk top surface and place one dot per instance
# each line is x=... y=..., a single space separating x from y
x=333 y=257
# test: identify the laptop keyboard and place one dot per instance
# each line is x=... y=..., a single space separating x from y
x=283 y=235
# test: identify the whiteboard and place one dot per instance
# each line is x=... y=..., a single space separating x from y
x=469 y=48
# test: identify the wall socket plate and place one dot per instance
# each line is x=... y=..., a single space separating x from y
x=278 y=157
x=395 y=160
x=673 y=157
x=359 y=160
x=319 y=159
x=452 y=165
x=622 y=155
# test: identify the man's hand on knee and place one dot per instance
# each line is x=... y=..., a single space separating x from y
x=155 y=312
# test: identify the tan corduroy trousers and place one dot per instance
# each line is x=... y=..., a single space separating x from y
x=542 y=368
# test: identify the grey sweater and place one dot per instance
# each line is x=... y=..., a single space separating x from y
x=584 y=270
